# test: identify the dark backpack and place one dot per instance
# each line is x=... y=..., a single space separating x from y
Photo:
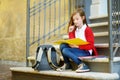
x=46 y=58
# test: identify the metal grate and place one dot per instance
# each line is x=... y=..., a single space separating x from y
x=46 y=18
x=114 y=30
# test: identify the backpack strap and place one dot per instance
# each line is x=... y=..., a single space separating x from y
x=47 y=50
x=39 y=55
x=50 y=51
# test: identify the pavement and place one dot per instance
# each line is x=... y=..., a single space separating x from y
x=5 y=73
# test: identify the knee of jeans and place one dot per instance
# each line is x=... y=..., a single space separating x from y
x=65 y=51
x=62 y=46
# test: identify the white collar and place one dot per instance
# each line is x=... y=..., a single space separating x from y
x=82 y=28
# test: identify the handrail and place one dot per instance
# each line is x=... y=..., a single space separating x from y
x=38 y=19
x=49 y=33
x=41 y=7
x=114 y=29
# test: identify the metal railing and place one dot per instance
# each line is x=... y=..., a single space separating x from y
x=114 y=30
x=45 y=19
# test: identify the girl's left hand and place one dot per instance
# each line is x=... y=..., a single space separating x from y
x=74 y=46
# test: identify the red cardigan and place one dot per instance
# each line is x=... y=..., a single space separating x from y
x=89 y=37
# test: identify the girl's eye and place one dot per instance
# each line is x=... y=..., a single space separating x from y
x=78 y=18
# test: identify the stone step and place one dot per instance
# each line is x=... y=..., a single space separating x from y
x=97 y=64
x=97 y=34
x=97 y=19
x=97 y=59
x=101 y=39
x=94 y=62
x=98 y=46
x=103 y=45
x=98 y=24
x=99 y=27
x=27 y=73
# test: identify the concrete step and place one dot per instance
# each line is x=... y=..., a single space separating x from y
x=98 y=46
x=98 y=24
x=102 y=39
x=97 y=34
x=27 y=73
x=97 y=64
x=97 y=59
x=105 y=59
x=97 y=19
x=99 y=27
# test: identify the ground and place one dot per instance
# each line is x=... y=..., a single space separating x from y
x=5 y=73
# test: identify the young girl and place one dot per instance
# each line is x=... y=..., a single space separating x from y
x=78 y=28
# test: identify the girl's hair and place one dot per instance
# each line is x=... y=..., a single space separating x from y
x=81 y=13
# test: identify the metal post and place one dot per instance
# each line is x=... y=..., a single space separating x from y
x=110 y=35
x=49 y=20
x=69 y=8
x=39 y=26
x=44 y=21
x=34 y=20
x=27 y=31
x=59 y=17
x=54 y=17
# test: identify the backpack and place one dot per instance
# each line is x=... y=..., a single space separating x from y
x=46 y=58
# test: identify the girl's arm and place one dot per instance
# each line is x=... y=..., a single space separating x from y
x=71 y=32
x=90 y=38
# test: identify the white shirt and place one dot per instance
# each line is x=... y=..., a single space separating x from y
x=80 y=33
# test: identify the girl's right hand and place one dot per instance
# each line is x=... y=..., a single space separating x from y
x=74 y=46
x=71 y=28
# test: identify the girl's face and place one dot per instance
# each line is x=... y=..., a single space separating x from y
x=78 y=20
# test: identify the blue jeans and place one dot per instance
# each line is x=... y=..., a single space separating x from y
x=72 y=53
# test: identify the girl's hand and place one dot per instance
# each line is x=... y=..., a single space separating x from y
x=71 y=28
x=74 y=46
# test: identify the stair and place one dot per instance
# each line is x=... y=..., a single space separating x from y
x=100 y=29
x=27 y=73
x=99 y=47
x=99 y=67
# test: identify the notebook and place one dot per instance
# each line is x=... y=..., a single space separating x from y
x=74 y=41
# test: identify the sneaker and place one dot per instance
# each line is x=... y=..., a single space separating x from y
x=82 y=68
x=64 y=67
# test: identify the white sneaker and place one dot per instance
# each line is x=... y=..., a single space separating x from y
x=64 y=67
x=61 y=68
x=82 y=68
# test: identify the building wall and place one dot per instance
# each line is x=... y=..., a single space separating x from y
x=12 y=29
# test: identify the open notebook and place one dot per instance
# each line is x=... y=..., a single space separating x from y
x=74 y=41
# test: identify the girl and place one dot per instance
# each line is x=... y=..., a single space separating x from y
x=78 y=28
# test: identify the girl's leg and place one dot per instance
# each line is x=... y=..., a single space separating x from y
x=63 y=46
x=66 y=59
x=74 y=53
